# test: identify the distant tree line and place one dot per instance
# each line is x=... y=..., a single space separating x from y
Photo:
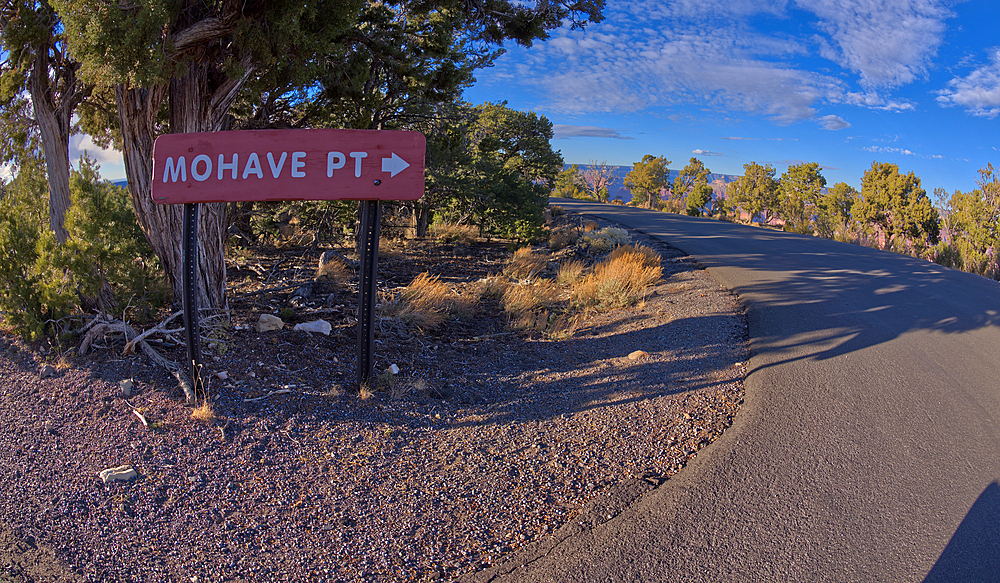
x=892 y=211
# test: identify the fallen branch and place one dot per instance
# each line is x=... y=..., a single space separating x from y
x=161 y=327
x=271 y=394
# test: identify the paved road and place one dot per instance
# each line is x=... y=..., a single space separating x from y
x=868 y=448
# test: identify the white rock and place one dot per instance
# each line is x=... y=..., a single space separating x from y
x=321 y=326
x=638 y=354
x=119 y=473
x=393 y=369
x=126 y=386
x=222 y=375
x=267 y=322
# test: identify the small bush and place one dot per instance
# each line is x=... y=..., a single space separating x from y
x=590 y=226
x=569 y=272
x=607 y=239
x=617 y=281
x=525 y=264
x=556 y=210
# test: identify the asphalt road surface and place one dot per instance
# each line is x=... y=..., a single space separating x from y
x=868 y=447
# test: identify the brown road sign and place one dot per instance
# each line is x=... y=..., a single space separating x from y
x=288 y=165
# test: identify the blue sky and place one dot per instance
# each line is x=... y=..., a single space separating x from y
x=839 y=82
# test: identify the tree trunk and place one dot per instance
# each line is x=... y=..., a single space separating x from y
x=199 y=102
x=53 y=112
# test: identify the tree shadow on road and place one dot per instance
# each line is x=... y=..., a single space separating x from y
x=973 y=553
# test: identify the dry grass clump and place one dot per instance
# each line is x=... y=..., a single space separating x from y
x=645 y=255
x=425 y=303
x=524 y=298
x=618 y=281
x=334 y=270
x=563 y=237
x=453 y=233
x=607 y=239
x=569 y=272
x=493 y=286
x=525 y=264
x=590 y=226
x=204 y=412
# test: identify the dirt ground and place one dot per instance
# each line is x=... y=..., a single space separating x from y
x=487 y=439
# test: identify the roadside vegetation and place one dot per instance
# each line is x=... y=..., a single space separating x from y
x=547 y=289
x=892 y=211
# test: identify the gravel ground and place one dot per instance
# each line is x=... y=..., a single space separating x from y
x=502 y=442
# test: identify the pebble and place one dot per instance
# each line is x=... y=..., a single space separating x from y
x=638 y=354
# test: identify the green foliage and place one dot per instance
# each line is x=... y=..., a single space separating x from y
x=834 y=210
x=571 y=184
x=691 y=176
x=973 y=228
x=106 y=263
x=107 y=256
x=800 y=189
x=895 y=210
x=647 y=179
x=697 y=198
x=26 y=304
x=756 y=192
x=513 y=168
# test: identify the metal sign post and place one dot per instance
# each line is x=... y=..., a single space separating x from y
x=371 y=219
x=190 y=300
x=364 y=165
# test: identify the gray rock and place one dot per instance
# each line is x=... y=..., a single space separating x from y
x=321 y=326
x=267 y=322
x=126 y=386
x=46 y=371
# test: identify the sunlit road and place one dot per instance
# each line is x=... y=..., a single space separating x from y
x=868 y=447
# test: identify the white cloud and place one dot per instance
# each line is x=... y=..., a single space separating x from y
x=978 y=92
x=738 y=138
x=700 y=152
x=887 y=42
x=81 y=143
x=833 y=123
x=561 y=131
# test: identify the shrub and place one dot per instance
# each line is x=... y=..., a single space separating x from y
x=590 y=226
x=25 y=303
x=525 y=264
x=606 y=239
x=111 y=264
x=618 y=281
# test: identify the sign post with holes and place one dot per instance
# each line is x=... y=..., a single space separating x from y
x=263 y=165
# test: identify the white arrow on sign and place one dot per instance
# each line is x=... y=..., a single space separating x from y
x=394 y=165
